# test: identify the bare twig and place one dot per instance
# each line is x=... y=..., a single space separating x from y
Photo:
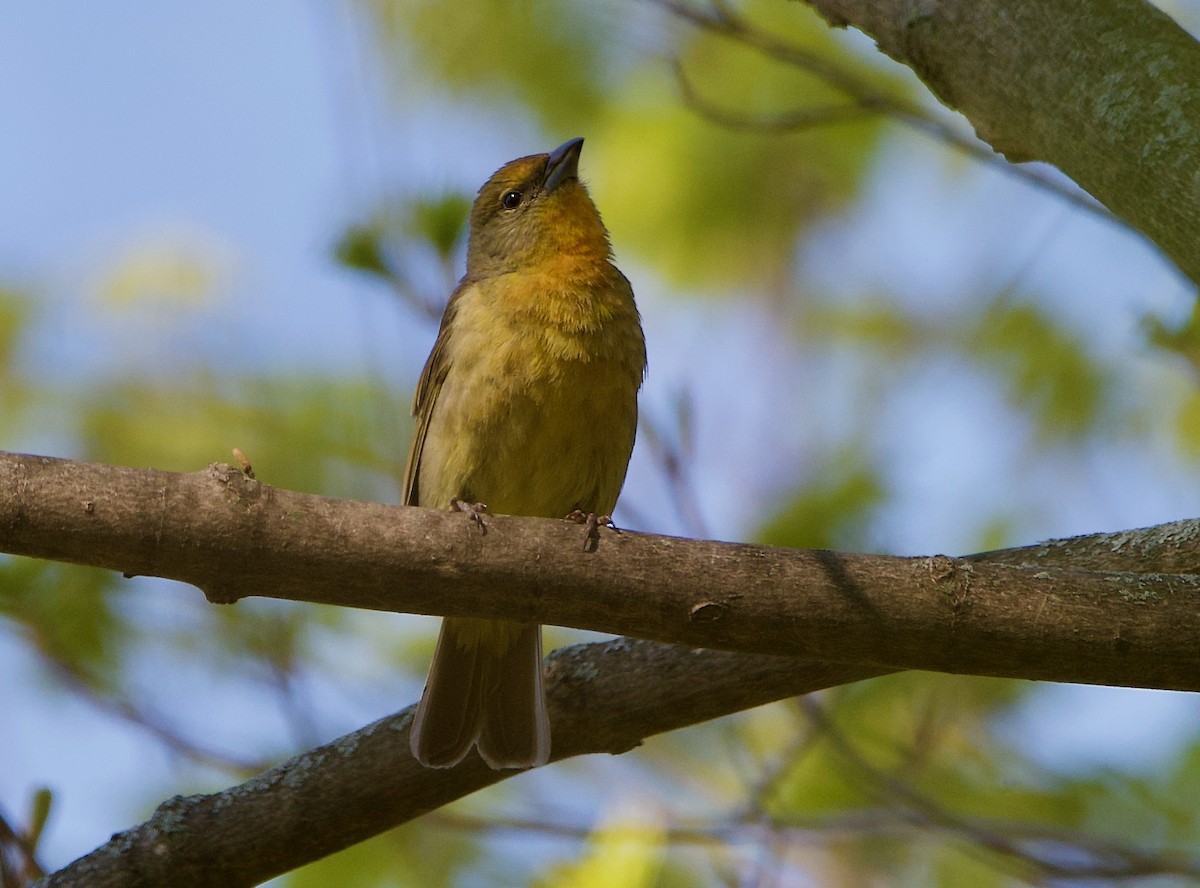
x=674 y=464
x=129 y=711
x=784 y=122
x=25 y=868
x=1048 y=852
x=603 y=697
x=865 y=98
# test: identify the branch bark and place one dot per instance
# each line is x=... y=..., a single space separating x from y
x=604 y=697
x=1028 y=614
x=1118 y=607
x=1109 y=92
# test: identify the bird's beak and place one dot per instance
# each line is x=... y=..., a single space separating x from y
x=563 y=163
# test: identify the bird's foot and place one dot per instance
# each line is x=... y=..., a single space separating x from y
x=593 y=522
x=476 y=511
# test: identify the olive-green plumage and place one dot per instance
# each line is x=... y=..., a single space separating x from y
x=528 y=403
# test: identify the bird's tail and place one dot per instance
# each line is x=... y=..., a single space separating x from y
x=484 y=689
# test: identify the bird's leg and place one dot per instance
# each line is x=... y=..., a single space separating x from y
x=476 y=511
x=593 y=522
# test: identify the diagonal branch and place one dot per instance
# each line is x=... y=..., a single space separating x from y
x=1104 y=91
x=1121 y=619
x=234 y=536
x=604 y=697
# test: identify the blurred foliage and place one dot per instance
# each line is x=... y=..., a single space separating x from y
x=1187 y=425
x=541 y=53
x=436 y=222
x=625 y=850
x=914 y=755
x=732 y=202
x=1182 y=339
x=413 y=856
x=883 y=329
x=66 y=612
x=413 y=245
x=1046 y=370
x=708 y=206
x=929 y=730
x=362 y=247
x=834 y=510
x=312 y=434
x=167 y=272
x=1048 y=373
x=13 y=315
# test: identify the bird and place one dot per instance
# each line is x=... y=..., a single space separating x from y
x=527 y=405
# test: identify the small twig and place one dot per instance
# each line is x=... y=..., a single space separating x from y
x=784 y=122
x=724 y=21
x=428 y=307
x=718 y=834
x=1013 y=842
x=673 y=461
x=297 y=713
x=359 y=249
x=125 y=709
x=29 y=868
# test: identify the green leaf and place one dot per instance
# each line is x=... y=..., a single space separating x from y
x=39 y=813
x=14 y=310
x=1182 y=339
x=1187 y=424
x=1046 y=370
x=883 y=329
x=416 y=855
x=360 y=247
x=546 y=54
x=833 y=510
x=625 y=850
x=439 y=220
x=313 y=434
x=67 y=613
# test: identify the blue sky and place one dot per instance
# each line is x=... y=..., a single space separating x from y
x=250 y=134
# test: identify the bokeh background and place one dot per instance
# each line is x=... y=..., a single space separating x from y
x=233 y=225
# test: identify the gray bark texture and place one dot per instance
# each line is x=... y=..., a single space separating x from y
x=1108 y=91
x=1119 y=608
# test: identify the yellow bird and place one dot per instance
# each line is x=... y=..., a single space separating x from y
x=528 y=404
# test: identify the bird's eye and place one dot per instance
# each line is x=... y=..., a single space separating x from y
x=511 y=200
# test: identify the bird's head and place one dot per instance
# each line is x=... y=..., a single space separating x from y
x=534 y=210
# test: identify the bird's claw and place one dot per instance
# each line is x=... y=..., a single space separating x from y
x=593 y=522
x=476 y=511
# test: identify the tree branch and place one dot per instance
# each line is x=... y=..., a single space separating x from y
x=865 y=96
x=1123 y=620
x=604 y=697
x=1107 y=92
x=1022 y=611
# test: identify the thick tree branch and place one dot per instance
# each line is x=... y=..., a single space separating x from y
x=603 y=698
x=1109 y=92
x=234 y=537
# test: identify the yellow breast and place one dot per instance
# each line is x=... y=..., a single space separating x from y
x=538 y=408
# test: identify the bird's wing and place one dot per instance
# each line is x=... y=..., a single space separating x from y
x=426 y=395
